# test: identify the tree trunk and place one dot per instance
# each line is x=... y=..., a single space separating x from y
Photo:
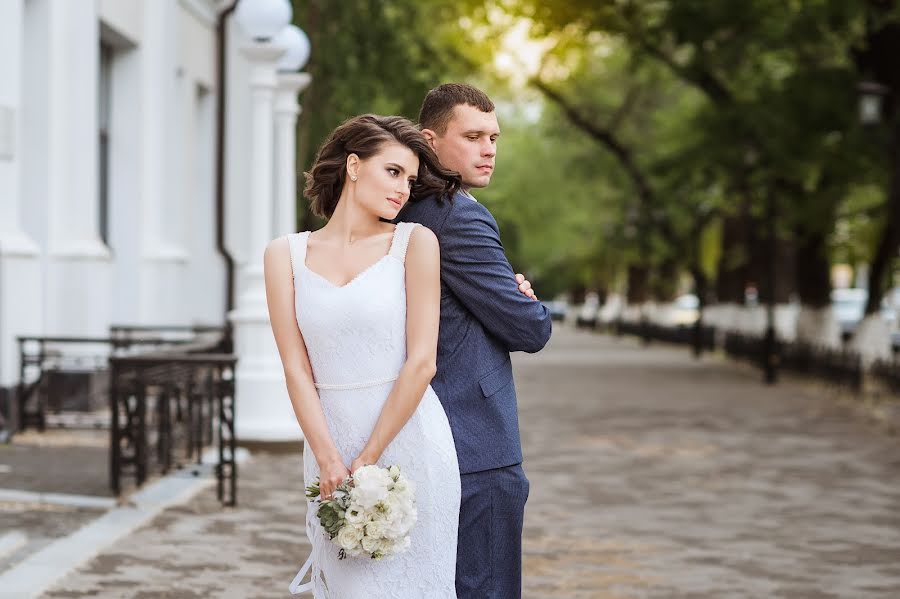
x=701 y=290
x=813 y=269
x=664 y=285
x=638 y=275
x=731 y=270
x=889 y=244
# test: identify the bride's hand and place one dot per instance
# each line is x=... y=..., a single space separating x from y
x=331 y=475
x=360 y=462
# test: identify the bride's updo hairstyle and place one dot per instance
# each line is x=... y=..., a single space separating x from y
x=364 y=136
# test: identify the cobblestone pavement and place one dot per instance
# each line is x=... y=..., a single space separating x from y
x=57 y=461
x=652 y=475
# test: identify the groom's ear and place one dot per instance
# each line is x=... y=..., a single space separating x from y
x=429 y=135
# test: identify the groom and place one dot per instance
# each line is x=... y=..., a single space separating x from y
x=486 y=313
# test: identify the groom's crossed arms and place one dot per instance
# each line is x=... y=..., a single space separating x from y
x=475 y=269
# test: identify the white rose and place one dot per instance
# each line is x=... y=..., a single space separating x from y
x=394 y=529
x=401 y=486
x=374 y=529
x=348 y=538
x=393 y=503
x=369 y=544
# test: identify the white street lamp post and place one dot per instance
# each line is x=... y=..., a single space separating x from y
x=287 y=108
x=290 y=84
x=264 y=411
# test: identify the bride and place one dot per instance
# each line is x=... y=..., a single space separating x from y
x=354 y=308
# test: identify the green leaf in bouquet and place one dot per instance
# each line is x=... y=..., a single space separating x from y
x=312 y=491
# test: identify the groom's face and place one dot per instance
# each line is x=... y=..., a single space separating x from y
x=469 y=145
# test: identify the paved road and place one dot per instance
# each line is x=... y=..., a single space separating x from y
x=652 y=476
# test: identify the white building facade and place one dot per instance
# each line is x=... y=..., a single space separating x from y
x=108 y=138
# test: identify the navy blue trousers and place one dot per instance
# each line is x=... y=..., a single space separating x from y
x=489 y=553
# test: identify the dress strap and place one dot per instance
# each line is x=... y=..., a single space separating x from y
x=401 y=240
x=297 y=243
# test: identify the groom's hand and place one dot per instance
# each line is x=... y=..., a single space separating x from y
x=525 y=286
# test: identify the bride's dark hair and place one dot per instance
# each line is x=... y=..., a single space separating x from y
x=364 y=135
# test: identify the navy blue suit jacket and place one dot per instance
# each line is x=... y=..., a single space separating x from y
x=484 y=317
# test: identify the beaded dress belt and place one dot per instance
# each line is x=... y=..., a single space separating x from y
x=383 y=381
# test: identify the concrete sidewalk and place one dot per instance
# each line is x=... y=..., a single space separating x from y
x=652 y=475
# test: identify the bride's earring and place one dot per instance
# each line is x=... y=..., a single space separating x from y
x=353 y=177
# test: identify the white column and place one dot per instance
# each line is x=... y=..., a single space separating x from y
x=286 y=111
x=264 y=410
x=78 y=276
x=164 y=98
x=75 y=63
x=20 y=269
x=12 y=21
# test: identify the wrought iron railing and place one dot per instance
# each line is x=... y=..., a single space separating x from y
x=887 y=374
x=744 y=347
x=169 y=394
x=42 y=357
x=836 y=366
x=681 y=334
x=176 y=333
x=165 y=408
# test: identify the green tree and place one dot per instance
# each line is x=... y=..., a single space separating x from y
x=370 y=56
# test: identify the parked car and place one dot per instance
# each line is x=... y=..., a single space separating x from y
x=558 y=308
x=684 y=311
x=849 y=308
x=587 y=314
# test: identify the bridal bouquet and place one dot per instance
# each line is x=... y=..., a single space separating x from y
x=370 y=513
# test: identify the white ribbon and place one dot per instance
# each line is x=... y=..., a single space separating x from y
x=296 y=588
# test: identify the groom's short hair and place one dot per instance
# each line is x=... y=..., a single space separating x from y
x=437 y=107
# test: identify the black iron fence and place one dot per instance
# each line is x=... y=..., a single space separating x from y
x=165 y=392
x=55 y=371
x=839 y=367
x=681 y=334
x=165 y=408
x=174 y=333
x=887 y=374
x=836 y=366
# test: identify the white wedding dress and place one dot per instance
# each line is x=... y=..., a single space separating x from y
x=356 y=339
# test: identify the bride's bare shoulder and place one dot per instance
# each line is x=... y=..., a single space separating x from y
x=423 y=241
x=277 y=256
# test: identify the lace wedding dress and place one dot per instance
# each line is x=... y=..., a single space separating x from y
x=355 y=335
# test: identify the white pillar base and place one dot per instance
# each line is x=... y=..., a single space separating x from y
x=20 y=277
x=263 y=411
